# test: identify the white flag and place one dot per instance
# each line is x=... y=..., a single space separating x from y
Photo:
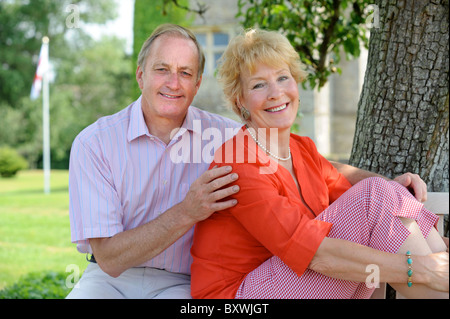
x=40 y=71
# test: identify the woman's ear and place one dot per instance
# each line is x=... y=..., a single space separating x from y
x=238 y=102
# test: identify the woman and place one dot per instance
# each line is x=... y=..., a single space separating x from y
x=300 y=230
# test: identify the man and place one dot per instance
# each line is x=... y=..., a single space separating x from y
x=131 y=205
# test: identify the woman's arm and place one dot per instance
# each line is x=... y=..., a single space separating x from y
x=411 y=181
x=346 y=260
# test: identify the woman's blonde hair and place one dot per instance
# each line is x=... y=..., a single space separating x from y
x=248 y=49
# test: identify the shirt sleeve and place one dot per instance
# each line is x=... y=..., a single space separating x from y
x=336 y=183
x=279 y=222
x=95 y=209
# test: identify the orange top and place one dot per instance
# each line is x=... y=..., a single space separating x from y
x=269 y=219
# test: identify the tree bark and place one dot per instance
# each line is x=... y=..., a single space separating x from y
x=403 y=112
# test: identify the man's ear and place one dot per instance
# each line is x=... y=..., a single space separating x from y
x=199 y=81
x=139 y=77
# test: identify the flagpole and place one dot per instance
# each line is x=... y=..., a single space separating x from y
x=46 y=126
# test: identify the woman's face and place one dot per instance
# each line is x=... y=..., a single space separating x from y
x=271 y=96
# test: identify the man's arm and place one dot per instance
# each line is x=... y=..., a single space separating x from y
x=135 y=246
x=411 y=181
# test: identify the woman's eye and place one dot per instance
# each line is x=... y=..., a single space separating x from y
x=258 y=86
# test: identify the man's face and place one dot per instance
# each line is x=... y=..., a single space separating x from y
x=170 y=79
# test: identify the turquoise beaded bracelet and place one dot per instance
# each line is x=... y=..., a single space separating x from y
x=410 y=271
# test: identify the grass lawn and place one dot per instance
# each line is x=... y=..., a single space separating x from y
x=34 y=227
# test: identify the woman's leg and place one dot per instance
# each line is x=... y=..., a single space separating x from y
x=367 y=214
x=418 y=245
x=435 y=242
x=275 y=280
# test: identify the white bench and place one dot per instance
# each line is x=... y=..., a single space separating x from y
x=437 y=203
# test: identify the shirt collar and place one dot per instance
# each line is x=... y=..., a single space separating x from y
x=137 y=126
x=189 y=119
x=188 y=123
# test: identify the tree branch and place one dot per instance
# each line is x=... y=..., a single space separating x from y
x=323 y=50
x=202 y=8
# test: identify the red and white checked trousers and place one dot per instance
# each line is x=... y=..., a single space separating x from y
x=366 y=214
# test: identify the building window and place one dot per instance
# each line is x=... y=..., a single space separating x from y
x=220 y=39
x=213 y=43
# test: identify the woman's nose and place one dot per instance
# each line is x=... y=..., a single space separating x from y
x=275 y=92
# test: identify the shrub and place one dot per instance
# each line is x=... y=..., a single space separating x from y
x=47 y=285
x=11 y=162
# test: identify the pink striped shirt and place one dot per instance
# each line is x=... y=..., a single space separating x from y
x=121 y=176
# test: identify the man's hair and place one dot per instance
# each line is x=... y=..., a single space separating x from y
x=174 y=30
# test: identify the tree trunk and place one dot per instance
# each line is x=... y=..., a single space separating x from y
x=403 y=112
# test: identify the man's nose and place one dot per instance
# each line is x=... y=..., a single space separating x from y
x=173 y=81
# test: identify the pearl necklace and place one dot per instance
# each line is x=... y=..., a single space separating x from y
x=265 y=149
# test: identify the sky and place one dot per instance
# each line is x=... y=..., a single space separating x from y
x=122 y=27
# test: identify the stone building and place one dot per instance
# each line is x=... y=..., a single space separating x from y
x=327 y=116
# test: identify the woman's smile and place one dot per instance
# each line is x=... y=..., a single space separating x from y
x=277 y=108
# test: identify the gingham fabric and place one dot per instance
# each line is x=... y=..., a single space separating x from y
x=365 y=214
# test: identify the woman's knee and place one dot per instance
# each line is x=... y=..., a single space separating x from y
x=379 y=189
x=375 y=183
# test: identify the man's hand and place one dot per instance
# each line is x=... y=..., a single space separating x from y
x=415 y=185
x=133 y=247
x=205 y=194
